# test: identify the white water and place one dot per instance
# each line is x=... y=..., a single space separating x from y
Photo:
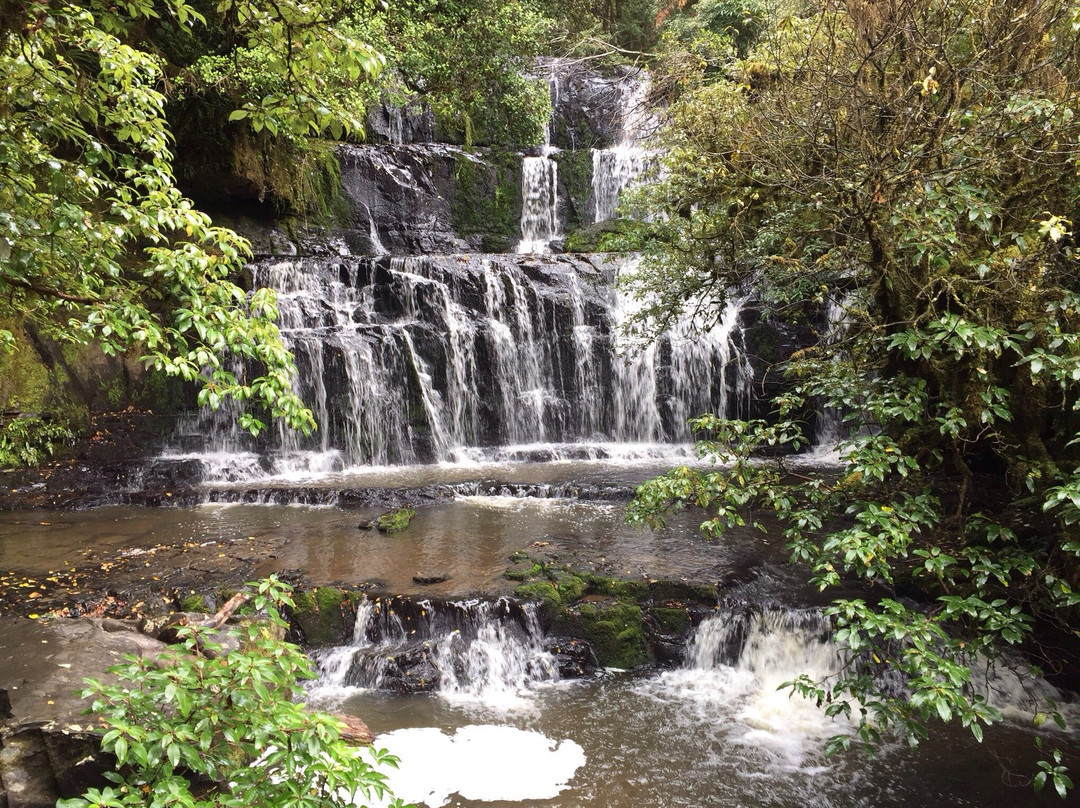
x=483 y=763
x=539 y=204
x=616 y=168
x=485 y=654
x=414 y=359
x=734 y=670
x=716 y=732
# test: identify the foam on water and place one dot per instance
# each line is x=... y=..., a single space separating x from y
x=479 y=762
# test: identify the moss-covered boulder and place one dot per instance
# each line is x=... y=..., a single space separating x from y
x=393 y=521
x=628 y=622
x=321 y=615
x=613 y=628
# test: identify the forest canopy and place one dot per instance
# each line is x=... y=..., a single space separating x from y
x=913 y=163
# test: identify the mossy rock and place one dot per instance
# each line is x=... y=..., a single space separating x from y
x=668 y=620
x=681 y=591
x=615 y=631
x=393 y=521
x=619 y=588
x=202 y=604
x=544 y=591
x=571 y=587
x=319 y=615
x=525 y=570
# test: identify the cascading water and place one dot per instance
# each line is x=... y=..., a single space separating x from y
x=539 y=204
x=414 y=359
x=616 y=168
x=486 y=652
x=830 y=424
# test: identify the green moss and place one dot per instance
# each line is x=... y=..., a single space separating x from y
x=319 y=616
x=619 y=588
x=669 y=621
x=571 y=587
x=486 y=198
x=525 y=571
x=394 y=521
x=518 y=556
x=328 y=597
x=614 y=630
x=27 y=384
x=545 y=592
x=195 y=603
x=303 y=602
x=575 y=180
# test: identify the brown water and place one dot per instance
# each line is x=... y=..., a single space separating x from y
x=689 y=738
x=657 y=741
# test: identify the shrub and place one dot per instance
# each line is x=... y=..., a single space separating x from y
x=201 y=727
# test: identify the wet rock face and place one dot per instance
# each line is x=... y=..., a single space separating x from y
x=574 y=657
x=388 y=123
x=49 y=748
x=429 y=199
x=588 y=106
x=399 y=199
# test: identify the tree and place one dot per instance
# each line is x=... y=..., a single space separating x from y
x=915 y=162
x=96 y=241
x=203 y=728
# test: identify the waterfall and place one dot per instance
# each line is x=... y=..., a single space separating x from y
x=769 y=644
x=616 y=168
x=539 y=204
x=426 y=358
x=487 y=652
x=830 y=425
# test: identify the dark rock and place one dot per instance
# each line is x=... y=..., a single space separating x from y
x=76 y=759
x=26 y=771
x=398 y=125
x=398 y=206
x=588 y=106
x=431 y=578
x=574 y=657
x=411 y=670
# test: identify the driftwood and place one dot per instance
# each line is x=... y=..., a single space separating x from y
x=171 y=633
x=355 y=732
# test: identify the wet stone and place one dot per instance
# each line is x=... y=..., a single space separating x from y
x=574 y=657
x=428 y=578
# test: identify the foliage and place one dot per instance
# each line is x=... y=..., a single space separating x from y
x=27 y=441
x=598 y=26
x=202 y=728
x=96 y=241
x=915 y=165
x=469 y=61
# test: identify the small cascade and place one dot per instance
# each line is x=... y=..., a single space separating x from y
x=830 y=425
x=616 y=168
x=539 y=204
x=489 y=652
x=769 y=644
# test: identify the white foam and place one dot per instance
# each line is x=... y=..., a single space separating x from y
x=479 y=762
